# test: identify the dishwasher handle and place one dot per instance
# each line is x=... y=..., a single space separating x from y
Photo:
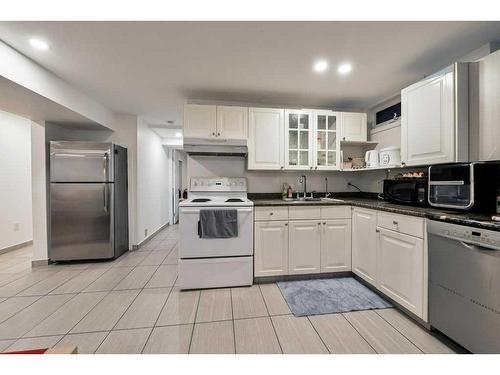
x=472 y=246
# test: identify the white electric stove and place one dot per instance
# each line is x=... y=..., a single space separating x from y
x=215 y=262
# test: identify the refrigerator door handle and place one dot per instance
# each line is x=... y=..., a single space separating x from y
x=105 y=196
x=106 y=166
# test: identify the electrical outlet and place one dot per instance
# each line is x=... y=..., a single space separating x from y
x=145 y=232
x=16 y=227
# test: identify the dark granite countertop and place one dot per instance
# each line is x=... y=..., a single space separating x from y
x=370 y=201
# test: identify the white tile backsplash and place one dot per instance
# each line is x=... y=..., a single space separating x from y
x=271 y=181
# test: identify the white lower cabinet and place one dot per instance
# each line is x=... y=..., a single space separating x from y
x=304 y=247
x=401 y=269
x=271 y=248
x=336 y=245
x=364 y=244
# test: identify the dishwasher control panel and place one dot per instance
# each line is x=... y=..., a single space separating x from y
x=469 y=235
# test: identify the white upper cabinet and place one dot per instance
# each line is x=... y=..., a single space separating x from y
x=200 y=121
x=265 y=138
x=434 y=118
x=298 y=139
x=232 y=122
x=210 y=121
x=364 y=244
x=354 y=127
x=326 y=140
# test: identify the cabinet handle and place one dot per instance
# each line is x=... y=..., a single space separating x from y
x=218 y=134
x=310 y=167
x=395 y=222
x=213 y=134
x=281 y=167
x=286 y=224
x=343 y=138
x=271 y=213
x=319 y=223
x=316 y=167
x=377 y=231
x=324 y=222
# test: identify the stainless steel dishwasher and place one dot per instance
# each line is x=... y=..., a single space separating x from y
x=464 y=285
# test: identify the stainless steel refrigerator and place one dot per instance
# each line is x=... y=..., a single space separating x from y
x=88 y=201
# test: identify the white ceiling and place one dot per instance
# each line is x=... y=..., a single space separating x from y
x=151 y=68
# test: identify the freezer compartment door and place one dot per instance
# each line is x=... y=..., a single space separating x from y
x=81 y=162
x=81 y=221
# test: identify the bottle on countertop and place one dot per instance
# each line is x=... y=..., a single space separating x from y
x=289 y=192
x=284 y=190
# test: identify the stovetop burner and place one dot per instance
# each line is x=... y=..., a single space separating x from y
x=234 y=200
x=200 y=200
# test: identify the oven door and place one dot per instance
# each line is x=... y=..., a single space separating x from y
x=192 y=246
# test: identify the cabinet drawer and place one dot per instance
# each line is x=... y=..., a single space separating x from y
x=336 y=212
x=271 y=213
x=414 y=226
x=305 y=213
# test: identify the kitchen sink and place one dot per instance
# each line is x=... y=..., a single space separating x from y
x=309 y=199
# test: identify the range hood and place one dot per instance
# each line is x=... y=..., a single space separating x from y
x=218 y=146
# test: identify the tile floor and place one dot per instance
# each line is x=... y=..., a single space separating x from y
x=132 y=305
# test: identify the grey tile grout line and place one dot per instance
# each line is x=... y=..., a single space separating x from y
x=158 y=317
x=232 y=317
x=359 y=333
x=395 y=329
x=401 y=333
x=271 y=319
x=63 y=334
x=39 y=281
x=128 y=307
x=321 y=338
x=194 y=323
x=39 y=297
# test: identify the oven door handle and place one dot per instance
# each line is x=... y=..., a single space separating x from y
x=447 y=183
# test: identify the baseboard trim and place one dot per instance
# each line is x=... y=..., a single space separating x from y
x=40 y=263
x=150 y=237
x=15 y=247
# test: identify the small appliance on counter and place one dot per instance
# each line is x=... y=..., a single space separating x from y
x=465 y=186
x=372 y=159
x=390 y=157
x=409 y=188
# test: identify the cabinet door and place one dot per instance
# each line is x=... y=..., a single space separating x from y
x=298 y=139
x=364 y=244
x=336 y=245
x=200 y=121
x=326 y=141
x=271 y=248
x=428 y=121
x=354 y=127
x=232 y=122
x=304 y=247
x=265 y=138
x=401 y=269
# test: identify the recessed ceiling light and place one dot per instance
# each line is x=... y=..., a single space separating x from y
x=320 y=66
x=344 y=68
x=178 y=135
x=39 y=44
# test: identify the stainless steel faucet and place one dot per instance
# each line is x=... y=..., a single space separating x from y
x=303 y=181
x=327 y=194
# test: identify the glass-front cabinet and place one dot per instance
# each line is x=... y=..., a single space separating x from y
x=326 y=140
x=299 y=126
